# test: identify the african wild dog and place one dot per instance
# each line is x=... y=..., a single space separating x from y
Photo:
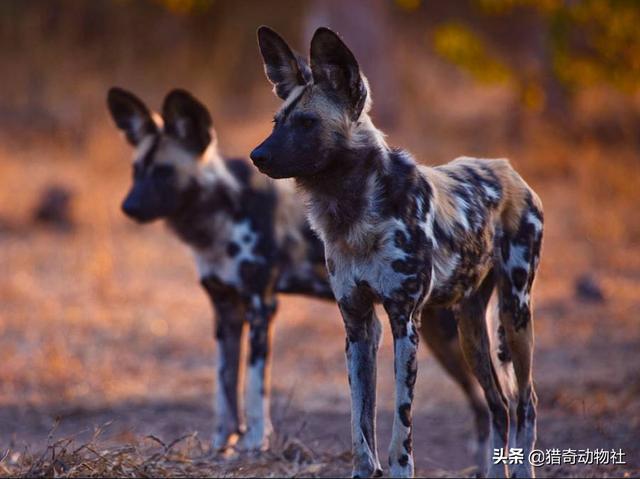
x=412 y=237
x=246 y=234
x=249 y=237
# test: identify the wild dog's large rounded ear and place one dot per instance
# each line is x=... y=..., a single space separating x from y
x=334 y=67
x=187 y=120
x=283 y=69
x=131 y=115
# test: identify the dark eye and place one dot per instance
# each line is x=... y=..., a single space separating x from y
x=162 y=172
x=306 y=122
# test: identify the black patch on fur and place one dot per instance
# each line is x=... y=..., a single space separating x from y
x=343 y=202
x=506 y=251
x=446 y=321
x=258 y=340
x=404 y=411
x=530 y=241
x=412 y=372
x=403 y=460
x=191 y=221
x=519 y=276
x=504 y=354
x=357 y=310
x=233 y=249
x=240 y=169
x=408 y=445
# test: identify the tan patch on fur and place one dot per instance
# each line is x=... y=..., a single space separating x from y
x=446 y=209
x=514 y=189
x=289 y=215
x=206 y=169
x=515 y=193
x=259 y=181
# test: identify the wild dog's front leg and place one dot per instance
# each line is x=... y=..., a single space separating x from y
x=229 y=323
x=228 y=327
x=405 y=348
x=363 y=338
x=258 y=382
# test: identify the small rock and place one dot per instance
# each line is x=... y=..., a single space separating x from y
x=588 y=289
x=54 y=208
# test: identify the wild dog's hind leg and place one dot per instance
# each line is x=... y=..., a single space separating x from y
x=228 y=332
x=260 y=312
x=520 y=257
x=476 y=348
x=439 y=330
x=363 y=338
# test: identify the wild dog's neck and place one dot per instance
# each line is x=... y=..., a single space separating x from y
x=343 y=197
x=213 y=173
x=214 y=190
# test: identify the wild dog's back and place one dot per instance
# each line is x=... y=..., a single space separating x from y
x=498 y=184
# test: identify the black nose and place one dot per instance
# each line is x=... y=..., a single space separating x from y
x=259 y=156
x=131 y=208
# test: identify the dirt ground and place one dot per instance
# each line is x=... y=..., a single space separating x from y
x=105 y=326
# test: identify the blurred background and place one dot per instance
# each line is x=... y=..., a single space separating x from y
x=102 y=322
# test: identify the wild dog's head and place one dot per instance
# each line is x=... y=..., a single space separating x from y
x=324 y=110
x=167 y=151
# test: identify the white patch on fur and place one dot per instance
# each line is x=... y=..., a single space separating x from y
x=143 y=147
x=374 y=268
x=491 y=192
x=505 y=371
x=296 y=92
x=462 y=207
x=212 y=170
x=224 y=425
x=215 y=261
x=516 y=260
x=257 y=408
x=362 y=133
x=534 y=221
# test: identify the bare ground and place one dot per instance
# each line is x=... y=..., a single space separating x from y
x=106 y=326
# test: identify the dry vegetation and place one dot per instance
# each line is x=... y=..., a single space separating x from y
x=106 y=343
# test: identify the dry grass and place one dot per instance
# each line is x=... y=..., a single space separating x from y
x=185 y=456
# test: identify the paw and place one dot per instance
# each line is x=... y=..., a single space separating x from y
x=398 y=470
x=254 y=440
x=222 y=440
x=367 y=469
x=359 y=474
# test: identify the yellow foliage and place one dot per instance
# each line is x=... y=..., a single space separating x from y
x=410 y=5
x=533 y=97
x=461 y=46
x=186 y=7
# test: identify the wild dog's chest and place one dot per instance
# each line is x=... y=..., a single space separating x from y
x=393 y=263
x=232 y=255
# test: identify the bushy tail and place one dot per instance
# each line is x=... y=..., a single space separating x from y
x=500 y=353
